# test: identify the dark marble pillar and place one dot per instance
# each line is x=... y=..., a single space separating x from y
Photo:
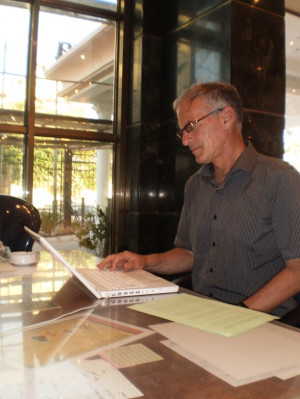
x=176 y=43
x=258 y=71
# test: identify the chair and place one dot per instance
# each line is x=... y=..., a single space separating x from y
x=297 y=298
x=184 y=280
x=15 y=213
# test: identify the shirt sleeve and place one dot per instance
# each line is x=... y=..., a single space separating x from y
x=182 y=238
x=285 y=211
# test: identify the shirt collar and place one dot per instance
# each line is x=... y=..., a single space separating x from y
x=247 y=159
x=246 y=162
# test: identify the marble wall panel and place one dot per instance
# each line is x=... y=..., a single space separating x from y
x=145 y=80
x=258 y=63
x=137 y=17
x=167 y=173
x=176 y=43
x=265 y=132
x=177 y=13
x=141 y=232
x=176 y=165
x=198 y=52
x=148 y=233
x=132 y=167
x=275 y=7
x=167 y=224
x=180 y=12
x=135 y=93
x=142 y=167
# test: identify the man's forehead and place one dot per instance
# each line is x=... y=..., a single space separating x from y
x=197 y=102
x=191 y=105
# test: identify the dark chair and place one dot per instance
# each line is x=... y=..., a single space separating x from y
x=184 y=280
x=15 y=213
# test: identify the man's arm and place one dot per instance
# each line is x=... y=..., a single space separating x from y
x=174 y=261
x=280 y=288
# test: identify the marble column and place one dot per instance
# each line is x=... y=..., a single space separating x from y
x=175 y=43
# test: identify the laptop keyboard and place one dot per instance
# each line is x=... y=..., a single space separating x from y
x=111 y=280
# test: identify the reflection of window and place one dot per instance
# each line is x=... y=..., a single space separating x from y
x=75 y=69
x=63 y=48
x=13 y=60
x=292 y=129
x=105 y=4
x=292 y=110
x=207 y=65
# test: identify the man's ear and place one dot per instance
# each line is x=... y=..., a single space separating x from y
x=228 y=116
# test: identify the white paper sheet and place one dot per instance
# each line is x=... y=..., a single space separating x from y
x=130 y=355
x=87 y=379
x=267 y=350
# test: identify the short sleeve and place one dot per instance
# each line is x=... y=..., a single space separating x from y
x=285 y=211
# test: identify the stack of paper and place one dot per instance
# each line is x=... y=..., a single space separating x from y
x=263 y=352
x=205 y=314
x=235 y=344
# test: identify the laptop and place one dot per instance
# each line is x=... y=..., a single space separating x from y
x=108 y=283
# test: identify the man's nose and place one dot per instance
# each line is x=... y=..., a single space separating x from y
x=186 y=138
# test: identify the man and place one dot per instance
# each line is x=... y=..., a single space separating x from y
x=239 y=230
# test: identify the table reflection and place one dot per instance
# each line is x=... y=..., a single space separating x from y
x=50 y=334
x=30 y=294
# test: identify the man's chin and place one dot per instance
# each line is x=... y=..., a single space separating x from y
x=200 y=160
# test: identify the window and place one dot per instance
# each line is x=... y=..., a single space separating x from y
x=75 y=71
x=14 y=47
x=12 y=148
x=57 y=127
x=104 y=4
x=71 y=178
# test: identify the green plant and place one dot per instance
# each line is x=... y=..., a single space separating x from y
x=49 y=221
x=93 y=233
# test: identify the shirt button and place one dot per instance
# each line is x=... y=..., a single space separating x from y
x=213 y=244
x=218 y=191
x=215 y=217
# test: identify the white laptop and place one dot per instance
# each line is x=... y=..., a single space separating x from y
x=107 y=283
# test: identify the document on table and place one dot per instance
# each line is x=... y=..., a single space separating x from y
x=129 y=355
x=205 y=314
x=76 y=337
x=263 y=352
x=89 y=378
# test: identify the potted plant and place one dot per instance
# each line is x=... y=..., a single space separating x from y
x=94 y=232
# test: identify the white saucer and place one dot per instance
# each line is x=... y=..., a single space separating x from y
x=22 y=258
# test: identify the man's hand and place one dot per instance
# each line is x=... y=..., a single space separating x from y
x=125 y=260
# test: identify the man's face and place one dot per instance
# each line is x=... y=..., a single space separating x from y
x=207 y=138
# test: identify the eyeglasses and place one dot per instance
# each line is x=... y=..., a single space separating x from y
x=189 y=127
